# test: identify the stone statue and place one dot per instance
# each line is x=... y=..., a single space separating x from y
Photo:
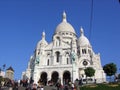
x=73 y=56
x=37 y=60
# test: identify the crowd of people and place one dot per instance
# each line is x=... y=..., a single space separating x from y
x=9 y=83
x=30 y=85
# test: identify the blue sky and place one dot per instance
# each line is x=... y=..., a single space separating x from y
x=23 y=21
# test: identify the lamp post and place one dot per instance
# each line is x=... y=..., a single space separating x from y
x=73 y=70
x=73 y=64
x=0 y=71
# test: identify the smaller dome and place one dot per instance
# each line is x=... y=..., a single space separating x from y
x=83 y=41
x=42 y=42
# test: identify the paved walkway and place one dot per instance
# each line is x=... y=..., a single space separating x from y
x=23 y=88
x=45 y=88
x=50 y=88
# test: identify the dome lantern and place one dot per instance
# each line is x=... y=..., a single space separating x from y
x=43 y=35
x=81 y=31
x=64 y=17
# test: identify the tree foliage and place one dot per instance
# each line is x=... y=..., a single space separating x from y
x=1 y=79
x=89 y=72
x=110 y=69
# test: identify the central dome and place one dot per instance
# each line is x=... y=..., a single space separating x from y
x=64 y=26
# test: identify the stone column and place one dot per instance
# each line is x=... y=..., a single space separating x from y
x=74 y=72
x=61 y=78
x=49 y=76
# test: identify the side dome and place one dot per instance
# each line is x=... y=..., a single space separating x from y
x=43 y=42
x=83 y=41
x=64 y=26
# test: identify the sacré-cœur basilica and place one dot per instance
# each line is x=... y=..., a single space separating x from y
x=64 y=58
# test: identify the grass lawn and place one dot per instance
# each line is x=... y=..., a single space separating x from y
x=101 y=87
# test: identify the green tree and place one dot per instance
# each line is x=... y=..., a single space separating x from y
x=89 y=72
x=1 y=79
x=110 y=69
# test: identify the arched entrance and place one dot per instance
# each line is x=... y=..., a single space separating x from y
x=43 y=78
x=66 y=77
x=54 y=77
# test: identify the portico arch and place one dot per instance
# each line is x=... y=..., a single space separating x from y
x=55 y=77
x=43 y=78
x=66 y=77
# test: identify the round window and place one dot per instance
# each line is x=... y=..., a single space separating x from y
x=85 y=63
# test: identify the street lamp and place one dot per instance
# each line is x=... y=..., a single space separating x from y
x=0 y=71
x=73 y=56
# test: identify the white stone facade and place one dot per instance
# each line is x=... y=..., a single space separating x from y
x=65 y=57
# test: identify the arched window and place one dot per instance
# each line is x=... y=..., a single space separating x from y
x=67 y=61
x=48 y=63
x=78 y=52
x=89 y=51
x=67 y=57
x=58 y=41
x=57 y=56
x=38 y=53
x=84 y=51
